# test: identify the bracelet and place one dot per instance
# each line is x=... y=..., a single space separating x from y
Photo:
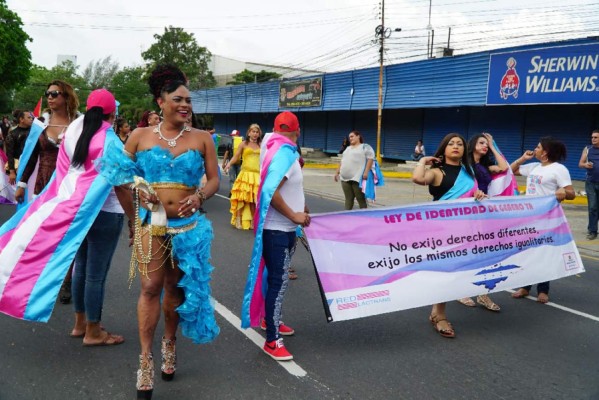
x=22 y=185
x=201 y=195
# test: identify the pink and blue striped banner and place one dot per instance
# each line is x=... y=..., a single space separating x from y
x=376 y=261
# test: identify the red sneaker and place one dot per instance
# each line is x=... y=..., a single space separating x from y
x=276 y=349
x=284 y=330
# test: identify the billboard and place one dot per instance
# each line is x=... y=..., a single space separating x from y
x=304 y=93
x=554 y=75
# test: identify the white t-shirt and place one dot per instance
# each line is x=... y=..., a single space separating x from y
x=292 y=192
x=544 y=181
x=112 y=204
x=353 y=162
x=419 y=149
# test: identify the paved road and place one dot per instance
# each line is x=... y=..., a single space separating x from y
x=527 y=350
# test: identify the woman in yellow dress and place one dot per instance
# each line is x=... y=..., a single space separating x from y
x=245 y=189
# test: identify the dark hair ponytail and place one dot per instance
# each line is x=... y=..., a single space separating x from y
x=92 y=121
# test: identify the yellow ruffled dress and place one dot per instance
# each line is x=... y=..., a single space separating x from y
x=245 y=190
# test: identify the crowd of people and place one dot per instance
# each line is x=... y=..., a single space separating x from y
x=160 y=174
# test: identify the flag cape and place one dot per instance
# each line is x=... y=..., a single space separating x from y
x=375 y=178
x=34 y=133
x=464 y=186
x=375 y=261
x=280 y=155
x=503 y=183
x=39 y=242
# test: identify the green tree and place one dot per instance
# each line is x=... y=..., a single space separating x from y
x=132 y=92
x=247 y=76
x=178 y=47
x=99 y=73
x=15 y=58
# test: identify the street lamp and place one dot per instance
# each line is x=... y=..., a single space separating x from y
x=381 y=33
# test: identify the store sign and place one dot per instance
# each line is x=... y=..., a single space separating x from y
x=556 y=75
x=306 y=93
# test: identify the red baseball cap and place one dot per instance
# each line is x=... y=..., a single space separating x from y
x=286 y=122
x=102 y=98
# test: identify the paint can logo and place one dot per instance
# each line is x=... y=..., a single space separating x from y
x=510 y=81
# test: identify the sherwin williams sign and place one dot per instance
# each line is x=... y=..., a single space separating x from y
x=556 y=75
x=306 y=93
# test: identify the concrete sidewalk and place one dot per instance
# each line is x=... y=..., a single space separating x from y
x=399 y=190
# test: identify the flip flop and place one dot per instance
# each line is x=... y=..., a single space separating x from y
x=82 y=335
x=109 y=340
x=520 y=293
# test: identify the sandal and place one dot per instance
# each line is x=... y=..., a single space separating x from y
x=543 y=298
x=487 y=303
x=447 y=333
x=169 y=359
x=468 y=302
x=109 y=340
x=145 y=376
x=520 y=293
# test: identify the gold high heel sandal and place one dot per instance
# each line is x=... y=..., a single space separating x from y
x=169 y=358
x=145 y=376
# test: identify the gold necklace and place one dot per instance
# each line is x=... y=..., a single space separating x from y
x=171 y=142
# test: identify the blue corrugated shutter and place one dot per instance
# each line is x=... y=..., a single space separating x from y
x=401 y=130
x=339 y=124
x=504 y=123
x=438 y=122
x=199 y=101
x=270 y=97
x=314 y=129
x=365 y=123
x=570 y=124
x=219 y=100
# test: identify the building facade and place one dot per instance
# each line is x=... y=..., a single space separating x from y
x=517 y=94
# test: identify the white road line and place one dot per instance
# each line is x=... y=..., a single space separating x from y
x=563 y=308
x=290 y=366
x=221 y=196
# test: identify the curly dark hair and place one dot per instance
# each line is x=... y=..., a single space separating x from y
x=166 y=78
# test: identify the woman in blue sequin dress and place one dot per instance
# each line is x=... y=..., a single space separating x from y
x=171 y=256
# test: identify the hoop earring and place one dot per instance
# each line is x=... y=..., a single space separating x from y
x=160 y=113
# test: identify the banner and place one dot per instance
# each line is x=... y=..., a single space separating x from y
x=307 y=93
x=554 y=75
x=376 y=261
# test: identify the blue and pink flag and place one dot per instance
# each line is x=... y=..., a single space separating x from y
x=280 y=155
x=503 y=183
x=376 y=261
x=39 y=242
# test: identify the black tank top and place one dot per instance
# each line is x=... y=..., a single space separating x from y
x=450 y=174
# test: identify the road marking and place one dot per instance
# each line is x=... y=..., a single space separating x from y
x=221 y=196
x=563 y=308
x=291 y=366
x=591 y=257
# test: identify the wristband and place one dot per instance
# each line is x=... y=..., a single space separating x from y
x=22 y=185
x=201 y=195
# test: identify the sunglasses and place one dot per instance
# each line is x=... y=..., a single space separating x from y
x=52 y=93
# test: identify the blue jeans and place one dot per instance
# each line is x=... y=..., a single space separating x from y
x=542 y=287
x=92 y=263
x=277 y=251
x=592 y=189
x=233 y=172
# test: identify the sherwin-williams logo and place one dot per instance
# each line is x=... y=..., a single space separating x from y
x=510 y=82
x=361 y=300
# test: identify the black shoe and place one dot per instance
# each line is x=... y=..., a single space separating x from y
x=592 y=236
x=65 y=292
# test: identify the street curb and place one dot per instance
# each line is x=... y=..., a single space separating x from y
x=578 y=200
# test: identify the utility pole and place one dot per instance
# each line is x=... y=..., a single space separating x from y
x=381 y=33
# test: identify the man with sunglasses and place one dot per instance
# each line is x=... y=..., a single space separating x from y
x=15 y=141
x=589 y=160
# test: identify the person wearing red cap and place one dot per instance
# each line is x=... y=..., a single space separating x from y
x=280 y=209
x=94 y=256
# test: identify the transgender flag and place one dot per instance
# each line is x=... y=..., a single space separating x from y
x=39 y=242
x=503 y=183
